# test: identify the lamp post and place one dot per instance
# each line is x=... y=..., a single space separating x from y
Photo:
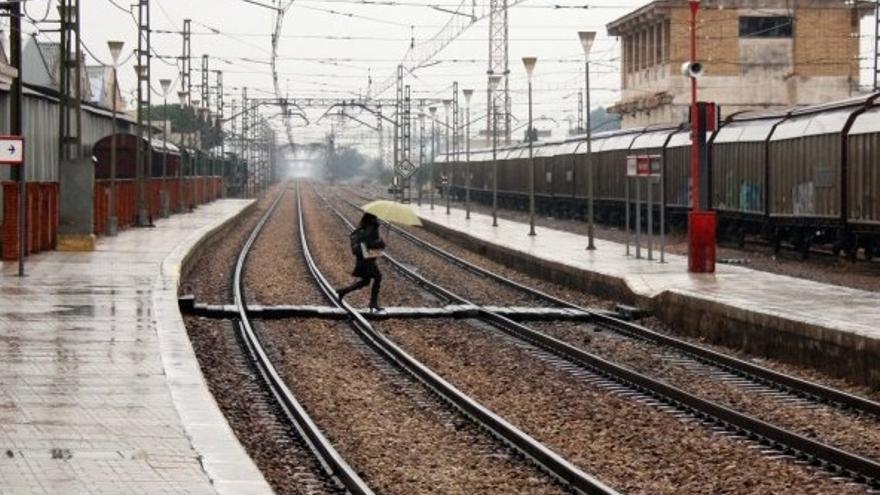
x=587 y=38
x=204 y=117
x=433 y=111
x=446 y=105
x=112 y=221
x=421 y=176
x=468 y=93
x=494 y=80
x=166 y=87
x=183 y=96
x=529 y=63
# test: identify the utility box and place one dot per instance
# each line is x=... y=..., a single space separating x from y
x=701 y=241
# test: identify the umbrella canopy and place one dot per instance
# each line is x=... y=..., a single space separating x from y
x=390 y=211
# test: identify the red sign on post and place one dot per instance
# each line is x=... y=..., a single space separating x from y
x=11 y=150
x=643 y=166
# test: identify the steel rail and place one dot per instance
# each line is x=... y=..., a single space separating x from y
x=554 y=464
x=740 y=367
x=330 y=459
x=832 y=458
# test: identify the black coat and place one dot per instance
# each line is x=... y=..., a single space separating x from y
x=367 y=267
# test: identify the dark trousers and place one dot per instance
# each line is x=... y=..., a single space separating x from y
x=360 y=284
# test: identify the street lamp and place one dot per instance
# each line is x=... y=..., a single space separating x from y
x=166 y=88
x=529 y=63
x=183 y=97
x=468 y=93
x=587 y=38
x=494 y=80
x=204 y=117
x=433 y=111
x=446 y=105
x=112 y=221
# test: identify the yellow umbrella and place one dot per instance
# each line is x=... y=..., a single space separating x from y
x=393 y=212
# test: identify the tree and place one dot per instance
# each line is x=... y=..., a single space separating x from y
x=185 y=120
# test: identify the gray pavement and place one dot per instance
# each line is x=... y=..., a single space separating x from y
x=100 y=391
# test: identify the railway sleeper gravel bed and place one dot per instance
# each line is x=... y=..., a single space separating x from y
x=586 y=300
x=276 y=447
x=812 y=385
x=851 y=430
x=398 y=435
x=210 y=278
x=252 y=412
x=637 y=443
x=833 y=459
x=734 y=383
x=559 y=468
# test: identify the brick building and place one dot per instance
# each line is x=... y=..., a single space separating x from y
x=757 y=54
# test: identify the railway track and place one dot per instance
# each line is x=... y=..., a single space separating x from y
x=330 y=459
x=835 y=460
x=550 y=462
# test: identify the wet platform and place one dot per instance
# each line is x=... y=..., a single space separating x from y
x=100 y=391
x=829 y=327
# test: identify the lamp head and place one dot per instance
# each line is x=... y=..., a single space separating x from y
x=67 y=13
x=468 y=93
x=181 y=96
x=494 y=81
x=433 y=110
x=115 y=50
x=141 y=70
x=587 y=38
x=446 y=104
x=166 y=86
x=529 y=64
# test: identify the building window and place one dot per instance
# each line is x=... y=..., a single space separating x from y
x=765 y=27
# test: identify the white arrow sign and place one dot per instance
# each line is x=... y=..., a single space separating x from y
x=11 y=150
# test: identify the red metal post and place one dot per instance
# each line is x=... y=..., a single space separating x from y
x=695 y=116
x=701 y=224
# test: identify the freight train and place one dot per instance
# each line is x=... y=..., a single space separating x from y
x=806 y=177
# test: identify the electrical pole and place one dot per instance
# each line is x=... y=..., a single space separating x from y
x=248 y=169
x=145 y=134
x=219 y=112
x=499 y=65
x=186 y=102
x=15 y=123
x=455 y=144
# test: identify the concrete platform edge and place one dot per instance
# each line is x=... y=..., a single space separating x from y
x=222 y=456
x=836 y=352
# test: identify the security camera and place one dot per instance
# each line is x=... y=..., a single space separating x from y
x=692 y=69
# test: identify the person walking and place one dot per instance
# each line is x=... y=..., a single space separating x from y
x=366 y=246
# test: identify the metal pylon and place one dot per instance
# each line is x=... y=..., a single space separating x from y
x=876 y=43
x=143 y=111
x=499 y=65
x=70 y=82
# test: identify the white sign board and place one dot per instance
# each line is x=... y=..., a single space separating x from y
x=11 y=150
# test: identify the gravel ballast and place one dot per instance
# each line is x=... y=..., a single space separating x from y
x=634 y=447
x=398 y=436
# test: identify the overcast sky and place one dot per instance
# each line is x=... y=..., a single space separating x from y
x=330 y=54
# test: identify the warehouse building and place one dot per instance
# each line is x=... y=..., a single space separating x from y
x=757 y=55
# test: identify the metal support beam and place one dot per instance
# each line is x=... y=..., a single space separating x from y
x=144 y=99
